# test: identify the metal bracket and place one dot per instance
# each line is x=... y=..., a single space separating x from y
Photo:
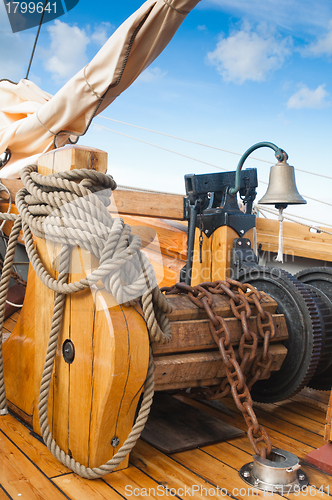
x=209 y=206
x=240 y=222
x=241 y=254
x=217 y=207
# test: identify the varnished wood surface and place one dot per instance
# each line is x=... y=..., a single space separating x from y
x=196 y=335
x=179 y=371
x=110 y=341
x=298 y=239
x=184 y=309
x=29 y=471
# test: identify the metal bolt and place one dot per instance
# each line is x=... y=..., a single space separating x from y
x=301 y=477
x=239 y=243
x=115 y=441
x=206 y=231
x=242 y=231
x=246 y=473
x=248 y=243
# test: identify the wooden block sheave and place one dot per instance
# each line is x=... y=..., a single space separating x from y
x=93 y=399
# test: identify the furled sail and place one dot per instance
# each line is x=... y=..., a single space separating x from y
x=32 y=121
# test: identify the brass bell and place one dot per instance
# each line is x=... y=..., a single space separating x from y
x=282 y=190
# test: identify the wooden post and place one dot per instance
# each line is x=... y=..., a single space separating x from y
x=93 y=399
x=215 y=255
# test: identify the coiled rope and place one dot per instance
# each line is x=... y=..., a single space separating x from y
x=70 y=208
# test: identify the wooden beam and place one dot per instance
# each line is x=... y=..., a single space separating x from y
x=195 y=335
x=180 y=371
x=165 y=206
x=13 y=186
x=298 y=239
x=185 y=309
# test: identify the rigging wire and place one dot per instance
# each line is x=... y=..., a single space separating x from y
x=191 y=157
x=160 y=147
x=207 y=145
x=36 y=39
x=143 y=190
x=259 y=207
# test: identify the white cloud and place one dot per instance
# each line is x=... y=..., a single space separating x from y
x=152 y=74
x=306 y=98
x=249 y=55
x=201 y=27
x=67 y=53
x=323 y=46
x=102 y=33
x=68 y=49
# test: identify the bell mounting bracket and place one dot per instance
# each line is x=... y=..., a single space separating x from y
x=209 y=205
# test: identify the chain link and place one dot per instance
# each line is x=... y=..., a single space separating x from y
x=240 y=376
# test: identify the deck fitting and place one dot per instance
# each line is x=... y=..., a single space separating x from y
x=282 y=474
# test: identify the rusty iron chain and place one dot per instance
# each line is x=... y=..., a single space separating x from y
x=253 y=365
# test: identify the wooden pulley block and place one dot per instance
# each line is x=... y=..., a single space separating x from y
x=102 y=354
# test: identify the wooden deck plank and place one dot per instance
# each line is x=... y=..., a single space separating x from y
x=310 y=403
x=216 y=472
x=322 y=396
x=19 y=477
x=34 y=449
x=235 y=457
x=281 y=434
x=15 y=316
x=316 y=414
x=314 y=399
x=77 y=488
x=165 y=470
x=134 y=483
x=3 y=494
x=10 y=323
x=288 y=415
x=242 y=442
x=176 y=471
x=276 y=421
x=318 y=478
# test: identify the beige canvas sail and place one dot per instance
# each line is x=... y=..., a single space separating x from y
x=32 y=121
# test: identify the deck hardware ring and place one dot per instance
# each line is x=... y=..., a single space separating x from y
x=281 y=475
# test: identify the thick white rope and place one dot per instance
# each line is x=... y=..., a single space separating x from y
x=280 y=255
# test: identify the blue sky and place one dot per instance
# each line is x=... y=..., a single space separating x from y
x=237 y=72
